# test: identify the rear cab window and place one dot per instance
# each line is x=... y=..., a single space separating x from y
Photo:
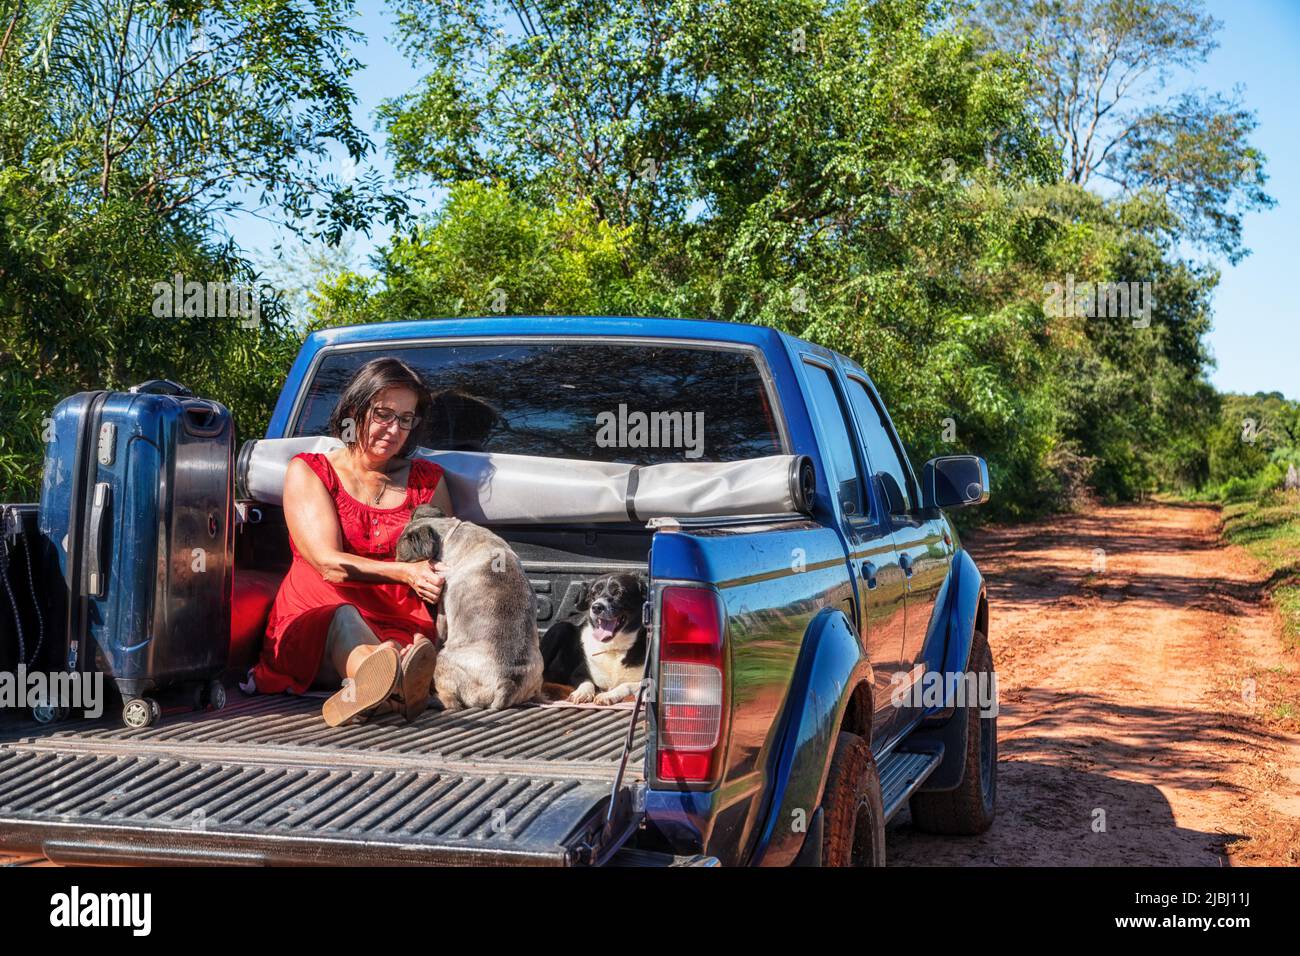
x=629 y=402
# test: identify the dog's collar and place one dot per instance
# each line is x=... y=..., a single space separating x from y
x=459 y=522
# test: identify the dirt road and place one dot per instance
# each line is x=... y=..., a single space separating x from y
x=1148 y=713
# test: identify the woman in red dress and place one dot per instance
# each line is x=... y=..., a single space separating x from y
x=348 y=613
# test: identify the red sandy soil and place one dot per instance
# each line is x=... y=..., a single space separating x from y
x=1129 y=692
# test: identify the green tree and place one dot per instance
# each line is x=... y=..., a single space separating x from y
x=192 y=107
x=126 y=126
x=808 y=165
x=487 y=251
x=871 y=176
x=1254 y=432
x=1100 y=68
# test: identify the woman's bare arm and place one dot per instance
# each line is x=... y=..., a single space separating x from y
x=314 y=526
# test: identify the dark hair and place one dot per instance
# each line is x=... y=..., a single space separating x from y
x=366 y=383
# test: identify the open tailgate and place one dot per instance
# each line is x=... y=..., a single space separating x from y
x=266 y=782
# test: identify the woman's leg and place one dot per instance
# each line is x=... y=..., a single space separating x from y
x=348 y=642
x=367 y=671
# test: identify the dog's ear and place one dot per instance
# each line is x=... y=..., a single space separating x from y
x=428 y=511
x=643 y=582
x=584 y=599
x=419 y=542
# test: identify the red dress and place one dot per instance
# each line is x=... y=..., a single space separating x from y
x=305 y=604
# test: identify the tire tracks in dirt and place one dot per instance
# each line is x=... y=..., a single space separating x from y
x=1139 y=671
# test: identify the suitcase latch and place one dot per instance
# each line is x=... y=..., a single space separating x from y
x=107 y=442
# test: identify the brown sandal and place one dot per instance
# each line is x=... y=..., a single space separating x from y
x=377 y=678
x=417 y=677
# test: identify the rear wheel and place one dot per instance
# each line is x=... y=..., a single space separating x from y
x=970 y=808
x=852 y=809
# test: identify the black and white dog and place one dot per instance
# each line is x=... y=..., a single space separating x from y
x=603 y=656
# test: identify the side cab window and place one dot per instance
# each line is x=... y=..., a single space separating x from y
x=896 y=487
x=836 y=437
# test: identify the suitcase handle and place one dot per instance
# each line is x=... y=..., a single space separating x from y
x=95 y=556
x=203 y=418
x=161 y=386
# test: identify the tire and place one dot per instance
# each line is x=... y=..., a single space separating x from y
x=971 y=807
x=853 y=813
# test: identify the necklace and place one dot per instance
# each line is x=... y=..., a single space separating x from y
x=383 y=486
x=382 y=489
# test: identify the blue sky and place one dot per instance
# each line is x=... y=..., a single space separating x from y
x=1256 y=337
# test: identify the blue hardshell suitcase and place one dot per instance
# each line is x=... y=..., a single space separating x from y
x=137 y=520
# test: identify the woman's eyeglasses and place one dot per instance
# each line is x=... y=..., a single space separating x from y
x=386 y=416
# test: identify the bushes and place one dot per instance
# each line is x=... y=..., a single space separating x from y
x=1251 y=446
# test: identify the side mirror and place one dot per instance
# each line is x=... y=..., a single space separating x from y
x=891 y=494
x=955 y=481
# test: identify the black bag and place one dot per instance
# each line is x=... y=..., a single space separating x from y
x=24 y=637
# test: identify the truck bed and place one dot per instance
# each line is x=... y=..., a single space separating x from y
x=266 y=782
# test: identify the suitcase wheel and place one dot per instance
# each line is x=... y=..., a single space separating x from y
x=216 y=695
x=141 y=712
x=44 y=714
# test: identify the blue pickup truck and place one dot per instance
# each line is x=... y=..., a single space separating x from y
x=829 y=665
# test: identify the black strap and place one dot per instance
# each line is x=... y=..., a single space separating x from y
x=82 y=472
x=161 y=386
x=13 y=601
x=16 y=532
x=36 y=603
x=633 y=479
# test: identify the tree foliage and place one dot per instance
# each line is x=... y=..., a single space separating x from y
x=896 y=179
x=1099 y=70
x=871 y=176
x=126 y=126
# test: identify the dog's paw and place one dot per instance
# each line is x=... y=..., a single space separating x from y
x=585 y=694
x=615 y=696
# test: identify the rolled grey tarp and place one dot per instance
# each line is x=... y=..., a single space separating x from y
x=261 y=463
x=486 y=487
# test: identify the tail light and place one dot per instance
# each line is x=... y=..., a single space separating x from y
x=691 y=685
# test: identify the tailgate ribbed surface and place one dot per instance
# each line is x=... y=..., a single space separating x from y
x=554 y=739
x=266 y=781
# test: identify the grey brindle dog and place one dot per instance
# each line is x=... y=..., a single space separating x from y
x=487 y=616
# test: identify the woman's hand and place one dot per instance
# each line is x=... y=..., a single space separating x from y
x=426 y=579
